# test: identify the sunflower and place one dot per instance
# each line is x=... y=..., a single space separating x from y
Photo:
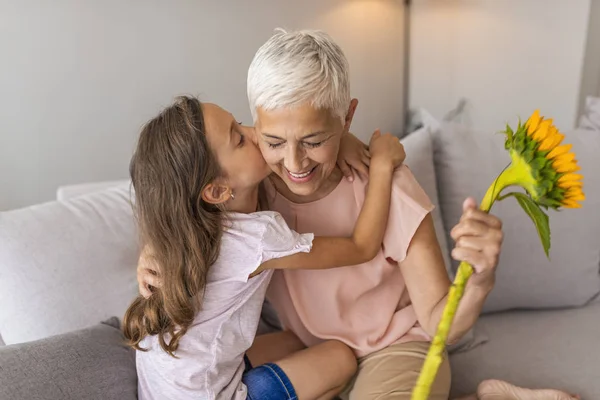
x=541 y=165
x=546 y=169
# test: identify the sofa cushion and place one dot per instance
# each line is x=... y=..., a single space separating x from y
x=67 y=192
x=536 y=349
x=591 y=116
x=419 y=158
x=92 y=363
x=66 y=265
x=466 y=164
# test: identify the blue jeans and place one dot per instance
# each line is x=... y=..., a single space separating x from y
x=267 y=382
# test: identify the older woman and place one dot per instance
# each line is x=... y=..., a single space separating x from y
x=387 y=309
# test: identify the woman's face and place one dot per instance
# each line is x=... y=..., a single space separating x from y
x=301 y=145
x=241 y=161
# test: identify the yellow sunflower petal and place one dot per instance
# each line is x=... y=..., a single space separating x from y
x=563 y=159
x=575 y=198
x=551 y=141
x=558 y=150
x=570 y=204
x=543 y=130
x=574 y=192
x=533 y=122
x=570 y=184
x=567 y=167
x=570 y=177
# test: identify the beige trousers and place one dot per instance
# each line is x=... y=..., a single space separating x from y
x=391 y=374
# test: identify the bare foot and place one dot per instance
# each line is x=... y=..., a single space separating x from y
x=500 y=390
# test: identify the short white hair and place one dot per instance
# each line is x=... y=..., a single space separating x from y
x=294 y=68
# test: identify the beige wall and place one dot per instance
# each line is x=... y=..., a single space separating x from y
x=506 y=57
x=79 y=77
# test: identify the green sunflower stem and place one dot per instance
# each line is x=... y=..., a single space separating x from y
x=435 y=355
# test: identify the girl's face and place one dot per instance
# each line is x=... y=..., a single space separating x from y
x=240 y=159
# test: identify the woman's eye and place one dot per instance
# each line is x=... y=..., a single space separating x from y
x=242 y=140
x=313 y=145
x=275 y=145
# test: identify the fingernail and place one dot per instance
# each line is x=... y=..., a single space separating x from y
x=351 y=178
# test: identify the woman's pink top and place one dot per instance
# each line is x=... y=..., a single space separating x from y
x=366 y=306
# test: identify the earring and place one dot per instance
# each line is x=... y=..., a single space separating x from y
x=231 y=195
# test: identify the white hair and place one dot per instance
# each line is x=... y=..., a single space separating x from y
x=294 y=68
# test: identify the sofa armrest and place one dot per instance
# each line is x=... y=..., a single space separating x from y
x=69 y=191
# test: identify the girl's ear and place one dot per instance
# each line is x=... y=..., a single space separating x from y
x=216 y=193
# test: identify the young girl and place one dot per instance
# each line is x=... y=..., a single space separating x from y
x=196 y=177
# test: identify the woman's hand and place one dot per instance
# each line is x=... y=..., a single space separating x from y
x=147 y=273
x=353 y=153
x=478 y=237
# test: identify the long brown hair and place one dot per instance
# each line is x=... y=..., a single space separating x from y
x=171 y=166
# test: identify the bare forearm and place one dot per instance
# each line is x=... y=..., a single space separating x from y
x=467 y=313
x=372 y=221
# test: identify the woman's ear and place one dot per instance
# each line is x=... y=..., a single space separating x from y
x=215 y=193
x=350 y=115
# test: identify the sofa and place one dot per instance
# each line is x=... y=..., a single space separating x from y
x=68 y=268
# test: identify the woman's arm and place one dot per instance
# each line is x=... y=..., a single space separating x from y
x=329 y=252
x=478 y=237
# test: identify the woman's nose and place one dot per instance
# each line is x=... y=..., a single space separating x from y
x=295 y=159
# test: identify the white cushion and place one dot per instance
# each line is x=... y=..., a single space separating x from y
x=66 y=265
x=69 y=191
x=467 y=162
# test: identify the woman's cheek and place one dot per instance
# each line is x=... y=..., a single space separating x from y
x=270 y=155
x=325 y=154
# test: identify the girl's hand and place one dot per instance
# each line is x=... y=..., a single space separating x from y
x=147 y=273
x=386 y=150
x=353 y=153
x=478 y=236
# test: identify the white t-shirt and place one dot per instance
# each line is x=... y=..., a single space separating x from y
x=210 y=359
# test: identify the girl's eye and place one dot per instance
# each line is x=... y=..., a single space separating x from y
x=313 y=145
x=275 y=145
x=242 y=140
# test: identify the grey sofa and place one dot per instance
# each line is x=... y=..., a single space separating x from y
x=69 y=264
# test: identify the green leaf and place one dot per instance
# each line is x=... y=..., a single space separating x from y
x=538 y=216
x=528 y=155
x=509 y=133
x=538 y=163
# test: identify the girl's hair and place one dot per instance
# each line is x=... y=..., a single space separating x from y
x=171 y=166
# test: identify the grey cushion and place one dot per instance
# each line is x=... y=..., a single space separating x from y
x=89 y=364
x=466 y=164
x=419 y=158
x=66 y=265
x=591 y=116
x=535 y=349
